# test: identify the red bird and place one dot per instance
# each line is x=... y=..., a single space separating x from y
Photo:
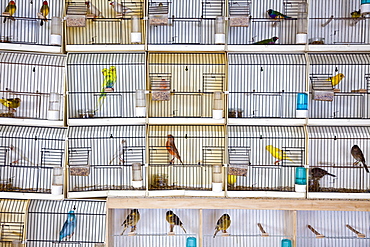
x=171 y=148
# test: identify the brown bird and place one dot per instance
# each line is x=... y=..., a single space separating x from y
x=359 y=156
x=174 y=220
x=171 y=148
x=318 y=173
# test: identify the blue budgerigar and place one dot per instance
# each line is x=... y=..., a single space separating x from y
x=69 y=226
x=276 y=14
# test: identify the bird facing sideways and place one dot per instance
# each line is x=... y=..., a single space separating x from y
x=44 y=11
x=336 y=79
x=93 y=10
x=11 y=103
x=120 y=9
x=267 y=41
x=69 y=226
x=278 y=154
x=174 y=220
x=171 y=148
x=276 y=14
x=222 y=224
x=359 y=156
x=131 y=220
x=10 y=8
x=356 y=14
x=318 y=173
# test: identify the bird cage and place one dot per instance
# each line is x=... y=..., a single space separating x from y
x=69 y=223
x=239 y=227
x=106 y=159
x=263 y=21
x=27 y=152
x=183 y=85
x=110 y=92
x=265 y=85
x=13 y=218
x=339 y=86
x=336 y=161
x=36 y=90
x=101 y=22
x=190 y=22
x=263 y=160
x=29 y=23
x=332 y=228
x=182 y=157
x=337 y=23
x=153 y=227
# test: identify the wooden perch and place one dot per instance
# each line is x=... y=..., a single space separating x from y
x=359 y=91
x=264 y=233
x=359 y=235
x=328 y=21
x=318 y=235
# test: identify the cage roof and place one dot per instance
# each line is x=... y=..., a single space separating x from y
x=64 y=206
x=94 y=132
x=339 y=132
x=8 y=206
x=266 y=59
x=34 y=59
x=187 y=58
x=106 y=58
x=338 y=58
x=45 y=133
x=266 y=131
x=203 y=131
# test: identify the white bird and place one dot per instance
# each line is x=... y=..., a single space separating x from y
x=93 y=10
x=119 y=153
x=120 y=9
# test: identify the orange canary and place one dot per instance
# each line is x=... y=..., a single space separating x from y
x=171 y=148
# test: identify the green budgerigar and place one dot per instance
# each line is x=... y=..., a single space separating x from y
x=110 y=78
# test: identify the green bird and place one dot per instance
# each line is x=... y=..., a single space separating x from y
x=276 y=14
x=267 y=41
x=222 y=224
x=131 y=220
x=110 y=78
x=356 y=14
x=10 y=8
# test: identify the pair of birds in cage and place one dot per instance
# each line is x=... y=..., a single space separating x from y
x=223 y=223
x=11 y=8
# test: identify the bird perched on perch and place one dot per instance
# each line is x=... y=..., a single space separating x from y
x=222 y=224
x=356 y=14
x=120 y=9
x=276 y=14
x=119 y=153
x=131 y=220
x=359 y=156
x=267 y=41
x=69 y=226
x=10 y=8
x=278 y=154
x=93 y=10
x=110 y=78
x=336 y=79
x=318 y=173
x=171 y=148
x=44 y=11
x=11 y=103
x=174 y=220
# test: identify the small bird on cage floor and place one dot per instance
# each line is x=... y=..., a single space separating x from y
x=69 y=226
x=174 y=220
x=359 y=156
x=318 y=173
x=131 y=220
x=171 y=148
x=11 y=104
x=223 y=223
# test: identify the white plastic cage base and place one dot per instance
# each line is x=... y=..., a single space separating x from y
x=217 y=187
x=140 y=111
x=301 y=38
x=137 y=184
x=220 y=38
x=55 y=39
x=217 y=114
x=300 y=188
x=135 y=37
x=301 y=113
x=53 y=115
x=56 y=189
x=365 y=8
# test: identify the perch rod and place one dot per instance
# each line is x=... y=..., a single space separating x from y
x=264 y=233
x=328 y=21
x=359 y=234
x=318 y=235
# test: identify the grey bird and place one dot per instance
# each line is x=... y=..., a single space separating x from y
x=318 y=173
x=359 y=156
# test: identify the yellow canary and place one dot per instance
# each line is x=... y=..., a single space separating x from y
x=277 y=153
x=231 y=179
x=10 y=8
x=356 y=14
x=131 y=220
x=44 y=11
x=222 y=224
x=11 y=103
x=336 y=79
x=173 y=219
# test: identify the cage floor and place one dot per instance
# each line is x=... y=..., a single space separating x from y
x=10 y=188
x=340 y=190
x=176 y=187
x=248 y=188
x=105 y=187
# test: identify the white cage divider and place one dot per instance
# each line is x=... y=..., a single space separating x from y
x=87 y=216
x=184 y=22
x=244 y=229
x=347 y=74
x=332 y=226
x=192 y=79
x=28 y=157
x=330 y=150
x=199 y=148
x=101 y=159
x=265 y=85
x=103 y=85
x=270 y=158
x=36 y=80
x=13 y=218
x=332 y=23
x=26 y=27
x=101 y=22
x=153 y=229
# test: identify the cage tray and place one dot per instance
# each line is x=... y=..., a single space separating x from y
x=245 y=188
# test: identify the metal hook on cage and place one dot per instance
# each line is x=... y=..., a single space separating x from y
x=111 y=136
